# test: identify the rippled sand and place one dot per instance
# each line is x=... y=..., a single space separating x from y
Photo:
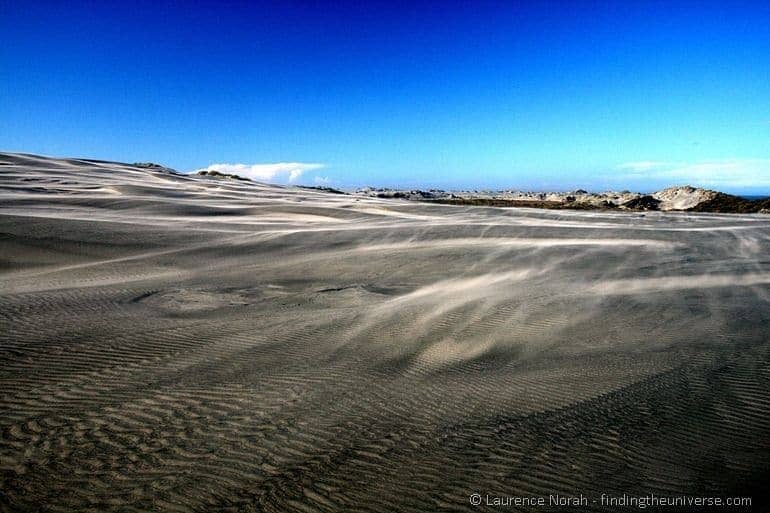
x=185 y=344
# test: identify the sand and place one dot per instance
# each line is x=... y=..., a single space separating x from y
x=173 y=343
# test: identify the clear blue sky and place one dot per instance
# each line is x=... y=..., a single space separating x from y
x=452 y=94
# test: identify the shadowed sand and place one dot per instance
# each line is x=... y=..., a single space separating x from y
x=175 y=343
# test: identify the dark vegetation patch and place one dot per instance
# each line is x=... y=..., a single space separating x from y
x=553 y=205
x=727 y=203
x=322 y=189
x=217 y=174
x=643 y=203
x=155 y=167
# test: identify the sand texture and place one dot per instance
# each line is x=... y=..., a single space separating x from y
x=194 y=344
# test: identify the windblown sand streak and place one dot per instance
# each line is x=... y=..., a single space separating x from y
x=190 y=344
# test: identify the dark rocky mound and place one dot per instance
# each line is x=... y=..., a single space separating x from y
x=727 y=203
x=643 y=203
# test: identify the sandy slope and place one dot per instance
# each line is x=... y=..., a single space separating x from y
x=683 y=197
x=189 y=344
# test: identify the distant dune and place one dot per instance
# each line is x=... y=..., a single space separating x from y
x=673 y=198
x=189 y=343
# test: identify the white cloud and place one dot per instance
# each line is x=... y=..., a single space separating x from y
x=321 y=180
x=278 y=172
x=713 y=173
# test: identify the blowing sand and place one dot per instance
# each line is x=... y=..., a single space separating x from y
x=176 y=343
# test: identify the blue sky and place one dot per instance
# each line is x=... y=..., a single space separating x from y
x=454 y=94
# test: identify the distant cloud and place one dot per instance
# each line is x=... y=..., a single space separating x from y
x=713 y=173
x=321 y=180
x=281 y=172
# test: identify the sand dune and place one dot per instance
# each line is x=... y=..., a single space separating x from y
x=185 y=343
